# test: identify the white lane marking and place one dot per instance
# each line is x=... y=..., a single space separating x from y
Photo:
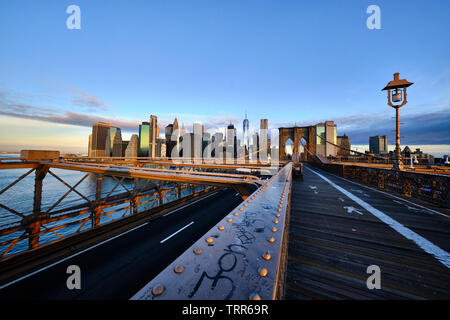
x=187 y=205
x=162 y=241
x=340 y=199
x=441 y=255
x=74 y=255
x=393 y=196
x=352 y=209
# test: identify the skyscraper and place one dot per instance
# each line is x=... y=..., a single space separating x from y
x=176 y=143
x=116 y=150
x=378 y=144
x=154 y=134
x=132 y=147
x=90 y=146
x=197 y=142
x=101 y=143
x=263 y=140
x=144 y=139
x=245 y=127
x=231 y=144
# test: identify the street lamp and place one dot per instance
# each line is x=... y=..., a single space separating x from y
x=396 y=91
x=411 y=160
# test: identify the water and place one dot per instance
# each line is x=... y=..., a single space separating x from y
x=20 y=199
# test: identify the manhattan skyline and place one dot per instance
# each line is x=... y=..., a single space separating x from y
x=300 y=63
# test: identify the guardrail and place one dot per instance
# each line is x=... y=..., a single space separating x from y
x=28 y=231
x=241 y=257
x=430 y=187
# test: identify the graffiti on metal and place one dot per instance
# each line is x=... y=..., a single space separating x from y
x=238 y=258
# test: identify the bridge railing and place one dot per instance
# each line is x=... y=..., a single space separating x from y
x=241 y=257
x=431 y=187
x=22 y=231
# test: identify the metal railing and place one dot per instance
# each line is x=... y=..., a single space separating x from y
x=45 y=226
x=430 y=187
x=241 y=257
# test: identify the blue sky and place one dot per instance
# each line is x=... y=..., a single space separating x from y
x=210 y=61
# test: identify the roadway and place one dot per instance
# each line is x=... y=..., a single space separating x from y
x=121 y=266
x=339 y=228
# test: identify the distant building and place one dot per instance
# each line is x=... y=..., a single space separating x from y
x=90 y=146
x=378 y=145
x=254 y=147
x=197 y=143
x=245 y=128
x=263 y=140
x=231 y=144
x=102 y=141
x=144 y=139
x=124 y=147
x=326 y=139
x=217 y=145
x=344 y=143
x=132 y=147
x=153 y=135
x=206 y=145
x=116 y=150
x=422 y=158
x=160 y=147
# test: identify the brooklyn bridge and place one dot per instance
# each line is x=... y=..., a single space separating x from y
x=299 y=227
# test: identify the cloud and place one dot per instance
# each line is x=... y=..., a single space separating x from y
x=425 y=127
x=84 y=99
x=419 y=126
x=25 y=111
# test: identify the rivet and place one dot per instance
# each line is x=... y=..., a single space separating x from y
x=267 y=256
x=274 y=229
x=209 y=240
x=221 y=228
x=158 y=290
x=245 y=204
x=198 y=251
x=278 y=215
x=279 y=210
x=179 y=269
x=281 y=201
x=254 y=296
x=263 y=272
x=236 y=214
x=271 y=239
x=241 y=209
x=229 y=220
x=275 y=221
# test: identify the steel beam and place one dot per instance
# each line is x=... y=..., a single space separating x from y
x=239 y=258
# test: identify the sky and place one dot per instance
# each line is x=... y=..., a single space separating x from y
x=292 y=62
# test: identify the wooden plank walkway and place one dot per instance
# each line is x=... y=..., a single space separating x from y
x=333 y=239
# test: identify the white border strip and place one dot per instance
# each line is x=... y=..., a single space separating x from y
x=430 y=248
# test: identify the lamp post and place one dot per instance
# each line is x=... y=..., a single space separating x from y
x=396 y=91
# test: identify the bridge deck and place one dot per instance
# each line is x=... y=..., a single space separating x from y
x=334 y=237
